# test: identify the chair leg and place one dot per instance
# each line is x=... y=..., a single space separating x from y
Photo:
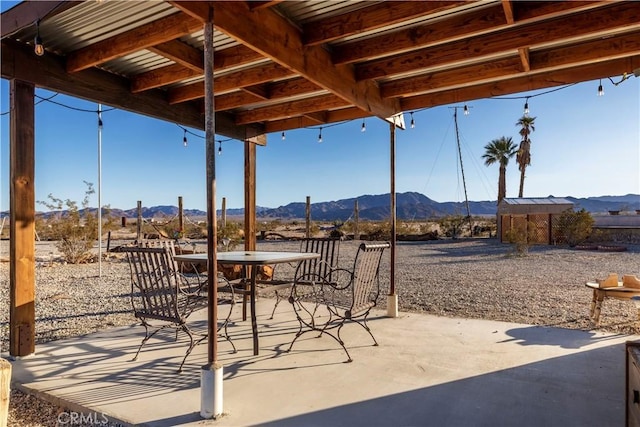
x=366 y=328
x=147 y=337
x=278 y=298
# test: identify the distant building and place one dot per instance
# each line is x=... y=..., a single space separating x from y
x=536 y=213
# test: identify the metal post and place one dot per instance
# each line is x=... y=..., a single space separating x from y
x=308 y=218
x=99 y=190
x=392 y=298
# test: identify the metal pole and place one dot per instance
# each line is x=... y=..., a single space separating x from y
x=99 y=190
x=308 y=218
x=392 y=148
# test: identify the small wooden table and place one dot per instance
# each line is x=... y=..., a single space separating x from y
x=253 y=259
x=599 y=294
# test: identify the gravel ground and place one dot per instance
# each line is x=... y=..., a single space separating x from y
x=477 y=278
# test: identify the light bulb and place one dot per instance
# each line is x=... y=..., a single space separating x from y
x=283 y=137
x=364 y=127
x=413 y=123
x=320 y=136
x=600 y=89
x=219 y=148
x=466 y=110
x=38 y=47
x=184 y=139
x=526 y=107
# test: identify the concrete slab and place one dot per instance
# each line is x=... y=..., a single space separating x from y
x=427 y=371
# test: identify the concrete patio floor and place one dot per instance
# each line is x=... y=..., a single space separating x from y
x=427 y=371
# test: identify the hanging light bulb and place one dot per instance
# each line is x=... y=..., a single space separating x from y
x=184 y=138
x=283 y=137
x=413 y=123
x=320 y=136
x=219 y=148
x=38 y=47
x=466 y=110
x=364 y=127
x=600 y=89
x=526 y=107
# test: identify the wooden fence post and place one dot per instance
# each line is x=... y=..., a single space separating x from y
x=5 y=391
x=308 y=218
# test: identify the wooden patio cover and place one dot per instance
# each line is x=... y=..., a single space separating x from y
x=281 y=65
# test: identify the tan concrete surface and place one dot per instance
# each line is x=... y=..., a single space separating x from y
x=427 y=371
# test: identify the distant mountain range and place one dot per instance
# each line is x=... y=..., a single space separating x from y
x=410 y=205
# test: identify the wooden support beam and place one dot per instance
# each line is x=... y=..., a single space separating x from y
x=273 y=36
x=22 y=314
x=288 y=109
x=370 y=18
x=180 y=53
x=25 y=14
x=249 y=196
x=624 y=15
x=151 y=34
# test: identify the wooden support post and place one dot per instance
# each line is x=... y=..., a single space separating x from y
x=180 y=215
x=249 y=196
x=139 y=224
x=223 y=218
x=5 y=391
x=307 y=232
x=22 y=313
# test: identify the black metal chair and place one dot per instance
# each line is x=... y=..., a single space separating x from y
x=328 y=248
x=348 y=295
x=162 y=297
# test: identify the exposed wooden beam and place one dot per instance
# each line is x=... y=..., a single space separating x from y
x=466 y=25
x=25 y=14
x=507 y=7
x=249 y=77
x=319 y=118
x=371 y=17
x=289 y=109
x=273 y=36
x=523 y=84
x=229 y=101
x=541 y=61
x=48 y=71
x=175 y=50
x=524 y=58
x=299 y=122
x=142 y=37
x=180 y=53
x=623 y=15
x=278 y=90
x=161 y=77
x=260 y=90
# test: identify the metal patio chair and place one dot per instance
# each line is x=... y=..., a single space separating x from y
x=348 y=295
x=328 y=248
x=162 y=297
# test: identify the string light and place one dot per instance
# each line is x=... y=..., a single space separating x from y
x=364 y=127
x=283 y=137
x=466 y=110
x=413 y=123
x=38 y=47
x=184 y=138
x=526 y=107
x=219 y=148
x=320 y=136
x=600 y=89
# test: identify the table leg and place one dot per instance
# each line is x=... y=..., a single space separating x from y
x=600 y=300
x=254 y=322
x=593 y=303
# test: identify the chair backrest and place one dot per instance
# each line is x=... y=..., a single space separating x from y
x=328 y=248
x=154 y=283
x=365 y=286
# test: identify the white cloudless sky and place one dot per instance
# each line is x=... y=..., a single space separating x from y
x=583 y=145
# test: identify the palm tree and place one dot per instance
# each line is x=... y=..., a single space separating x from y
x=523 y=157
x=500 y=151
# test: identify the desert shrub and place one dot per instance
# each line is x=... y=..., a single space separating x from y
x=376 y=230
x=231 y=230
x=74 y=229
x=574 y=227
x=519 y=235
x=452 y=225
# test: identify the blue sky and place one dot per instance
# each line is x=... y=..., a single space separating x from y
x=583 y=145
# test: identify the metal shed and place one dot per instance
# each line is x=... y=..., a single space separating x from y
x=537 y=214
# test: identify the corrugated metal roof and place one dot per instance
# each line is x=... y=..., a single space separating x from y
x=537 y=201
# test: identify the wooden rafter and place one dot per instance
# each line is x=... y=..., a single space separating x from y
x=151 y=34
x=274 y=37
x=371 y=18
x=624 y=15
x=180 y=53
x=288 y=109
